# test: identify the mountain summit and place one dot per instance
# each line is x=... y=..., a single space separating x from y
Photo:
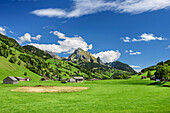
x=80 y=56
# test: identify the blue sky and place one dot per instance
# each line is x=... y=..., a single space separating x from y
x=135 y=32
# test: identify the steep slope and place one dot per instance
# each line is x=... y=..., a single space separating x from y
x=10 y=69
x=121 y=66
x=37 y=51
x=80 y=56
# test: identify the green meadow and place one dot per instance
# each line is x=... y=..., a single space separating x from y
x=123 y=96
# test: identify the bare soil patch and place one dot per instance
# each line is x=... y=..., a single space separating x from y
x=43 y=89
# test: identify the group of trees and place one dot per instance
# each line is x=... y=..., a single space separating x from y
x=162 y=72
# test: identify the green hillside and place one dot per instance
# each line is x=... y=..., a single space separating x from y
x=10 y=69
x=33 y=59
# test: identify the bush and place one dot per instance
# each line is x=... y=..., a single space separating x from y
x=19 y=62
x=25 y=73
x=140 y=73
x=149 y=74
x=13 y=59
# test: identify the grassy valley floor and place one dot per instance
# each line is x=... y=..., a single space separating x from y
x=126 y=96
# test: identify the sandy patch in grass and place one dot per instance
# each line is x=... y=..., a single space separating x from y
x=43 y=89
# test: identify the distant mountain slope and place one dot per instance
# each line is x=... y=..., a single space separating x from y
x=80 y=56
x=37 y=51
x=121 y=66
x=151 y=68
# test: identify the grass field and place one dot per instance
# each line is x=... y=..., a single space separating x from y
x=126 y=96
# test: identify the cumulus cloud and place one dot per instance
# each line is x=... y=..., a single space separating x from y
x=133 y=53
x=144 y=37
x=2 y=31
x=85 y=7
x=108 y=56
x=147 y=37
x=66 y=45
x=168 y=46
x=133 y=66
x=28 y=38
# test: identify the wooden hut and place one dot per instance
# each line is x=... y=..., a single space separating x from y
x=10 y=80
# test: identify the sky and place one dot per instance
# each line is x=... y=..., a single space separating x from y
x=135 y=32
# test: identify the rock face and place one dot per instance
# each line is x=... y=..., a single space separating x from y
x=99 y=60
x=80 y=56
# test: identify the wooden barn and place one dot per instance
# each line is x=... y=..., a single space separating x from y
x=10 y=80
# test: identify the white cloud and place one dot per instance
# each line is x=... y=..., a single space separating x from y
x=135 y=53
x=2 y=31
x=133 y=66
x=140 y=6
x=144 y=37
x=68 y=45
x=37 y=37
x=168 y=46
x=138 y=70
x=131 y=52
x=126 y=39
x=147 y=37
x=50 y=12
x=108 y=56
x=27 y=38
x=85 y=7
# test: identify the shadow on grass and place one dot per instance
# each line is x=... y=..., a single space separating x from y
x=159 y=83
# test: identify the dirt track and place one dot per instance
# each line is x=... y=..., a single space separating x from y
x=43 y=89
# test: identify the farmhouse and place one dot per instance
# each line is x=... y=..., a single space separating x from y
x=10 y=80
x=20 y=78
x=76 y=79
x=44 y=79
x=27 y=79
x=153 y=78
x=143 y=77
x=72 y=80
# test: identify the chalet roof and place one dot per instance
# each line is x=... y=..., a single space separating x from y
x=12 y=78
x=19 y=78
x=78 y=77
